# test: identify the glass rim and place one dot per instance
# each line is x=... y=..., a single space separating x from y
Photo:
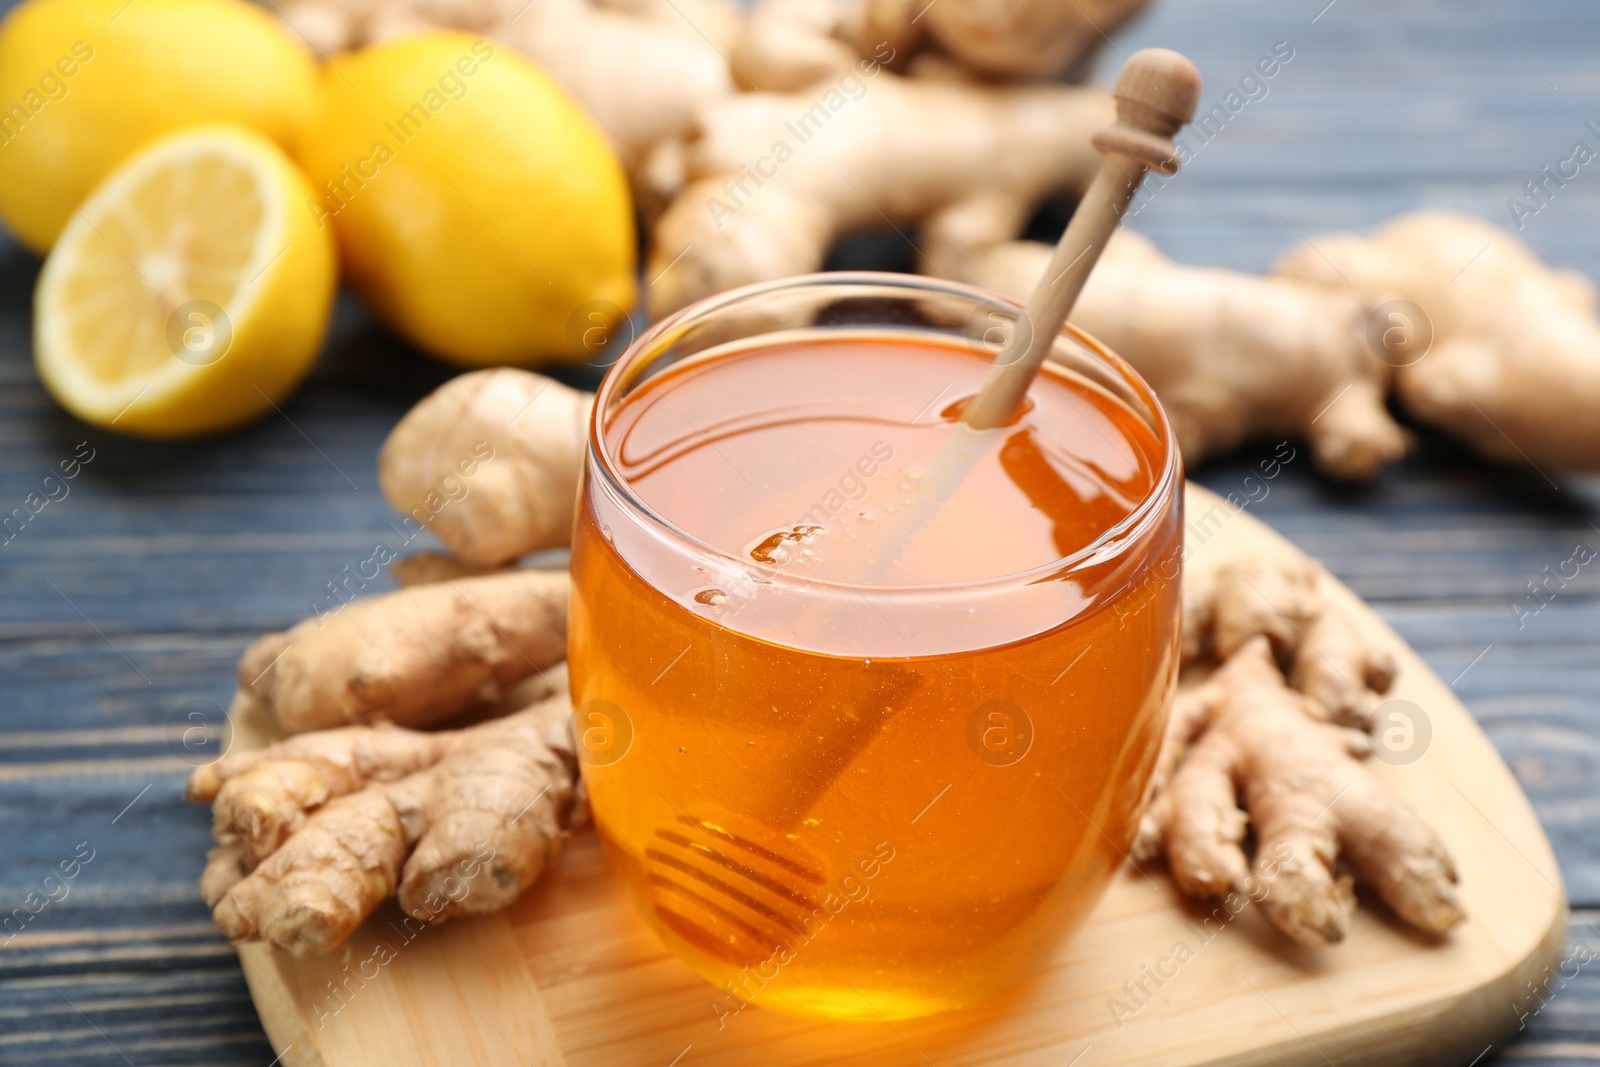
x=1113 y=541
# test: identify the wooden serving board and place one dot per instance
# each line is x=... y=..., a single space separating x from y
x=571 y=975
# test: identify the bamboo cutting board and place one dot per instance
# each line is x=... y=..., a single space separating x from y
x=571 y=975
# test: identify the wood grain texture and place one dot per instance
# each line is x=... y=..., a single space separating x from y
x=572 y=976
x=1384 y=108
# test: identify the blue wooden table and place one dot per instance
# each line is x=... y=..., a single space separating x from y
x=125 y=604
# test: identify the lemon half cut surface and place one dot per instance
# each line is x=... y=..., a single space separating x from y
x=191 y=291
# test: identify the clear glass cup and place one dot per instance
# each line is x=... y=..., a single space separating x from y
x=906 y=817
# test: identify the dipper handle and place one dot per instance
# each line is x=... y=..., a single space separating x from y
x=1156 y=94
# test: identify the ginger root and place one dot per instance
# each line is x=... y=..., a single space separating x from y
x=1231 y=597
x=788 y=44
x=314 y=832
x=1231 y=355
x=490 y=462
x=1457 y=317
x=424 y=568
x=411 y=657
x=1311 y=803
x=1021 y=38
x=1514 y=364
x=333 y=26
x=643 y=69
x=1287 y=749
x=774 y=178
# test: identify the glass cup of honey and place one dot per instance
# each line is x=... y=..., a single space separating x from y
x=859 y=752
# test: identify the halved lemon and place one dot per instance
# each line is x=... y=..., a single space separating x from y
x=190 y=292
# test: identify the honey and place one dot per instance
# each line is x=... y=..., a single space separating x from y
x=846 y=767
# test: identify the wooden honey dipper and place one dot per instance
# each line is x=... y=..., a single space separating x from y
x=736 y=885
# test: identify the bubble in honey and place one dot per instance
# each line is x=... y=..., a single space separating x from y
x=785 y=545
x=715 y=599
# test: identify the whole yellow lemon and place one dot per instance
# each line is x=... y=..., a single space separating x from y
x=479 y=211
x=85 y=83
